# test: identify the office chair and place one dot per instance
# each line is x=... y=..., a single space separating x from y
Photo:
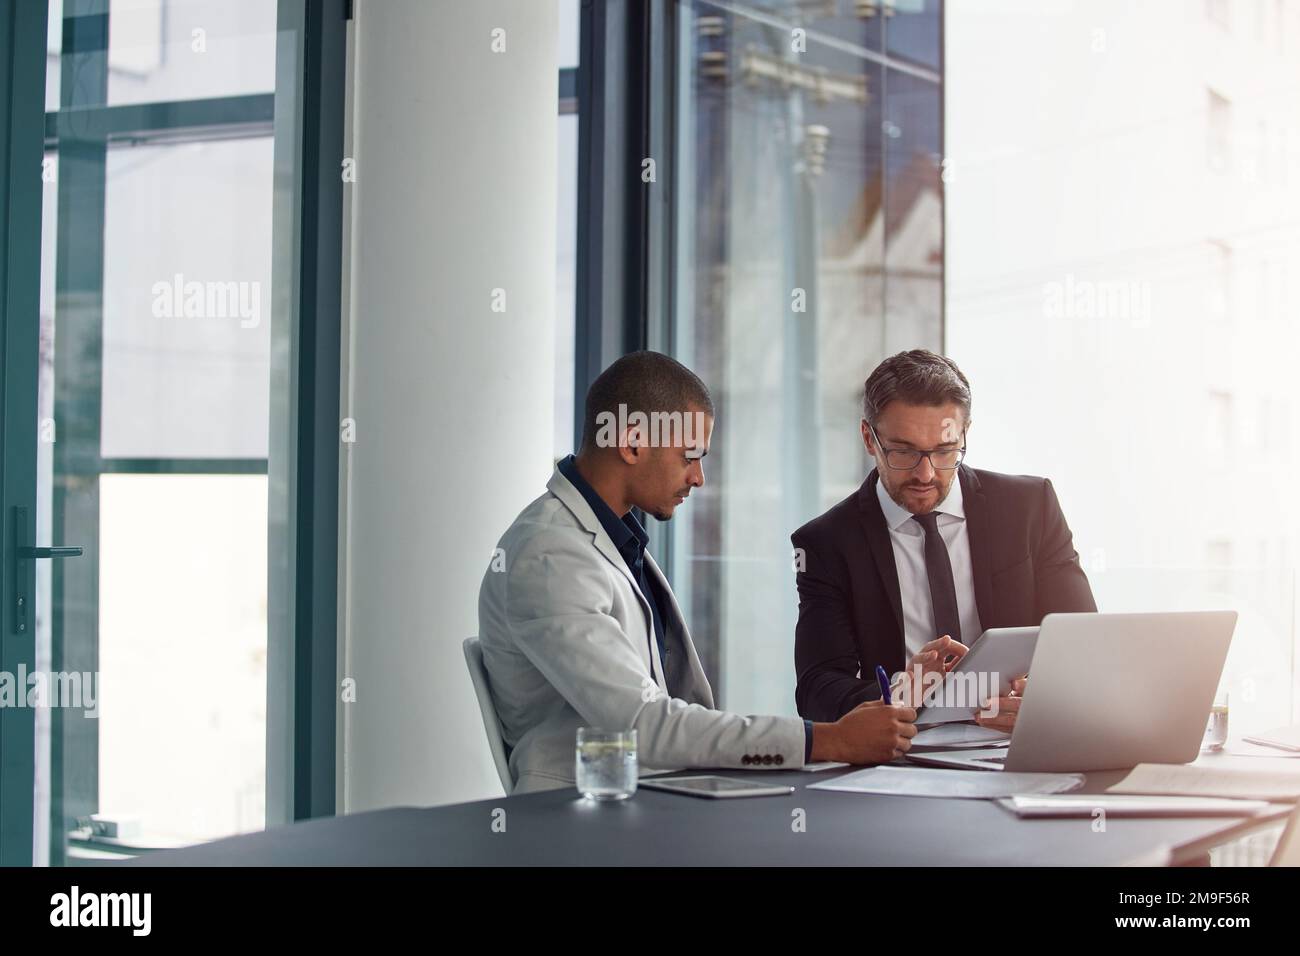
x=491 y=723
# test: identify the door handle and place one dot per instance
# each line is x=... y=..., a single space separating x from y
x=30 y=554
x=24 y=552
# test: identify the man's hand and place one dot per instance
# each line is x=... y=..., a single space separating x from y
x=1006 y=707
x=938 y=657
x=872 y=732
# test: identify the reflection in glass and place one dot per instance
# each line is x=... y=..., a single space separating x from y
x=806 y=193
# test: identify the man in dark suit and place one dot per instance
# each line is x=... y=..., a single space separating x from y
x=927 y=554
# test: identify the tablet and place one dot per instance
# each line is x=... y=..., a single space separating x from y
x=716 y=787
x=1000 y=655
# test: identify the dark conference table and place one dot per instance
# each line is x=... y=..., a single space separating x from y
x=653 y=828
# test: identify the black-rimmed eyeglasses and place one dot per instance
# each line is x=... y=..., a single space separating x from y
x=905 y=459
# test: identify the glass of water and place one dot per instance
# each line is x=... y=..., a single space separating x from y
x=605 y=763
x=1216 y=729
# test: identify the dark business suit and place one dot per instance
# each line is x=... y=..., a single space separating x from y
x=1023 y=565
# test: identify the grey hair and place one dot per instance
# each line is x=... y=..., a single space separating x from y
x=917 y=377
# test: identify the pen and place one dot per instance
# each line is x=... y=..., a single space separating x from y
x=883 y=680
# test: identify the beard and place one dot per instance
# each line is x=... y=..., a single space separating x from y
x=668 y=515
x=941 y=490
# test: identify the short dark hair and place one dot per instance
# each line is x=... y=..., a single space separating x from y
x=917 y=377
x=646 y=382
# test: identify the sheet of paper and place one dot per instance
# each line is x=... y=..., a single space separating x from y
x=960 y=735
x=938 y=716
x=823 y=765
x=1129 y=805
x=1200 y=781
x=930 y=782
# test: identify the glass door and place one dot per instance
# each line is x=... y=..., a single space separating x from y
x=170 y=313
x=155 y=386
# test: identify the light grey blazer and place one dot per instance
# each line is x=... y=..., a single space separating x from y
x=567 y=643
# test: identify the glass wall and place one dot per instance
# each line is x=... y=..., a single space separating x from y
x=1123 y=243
x=808 y=244
x=156 y=321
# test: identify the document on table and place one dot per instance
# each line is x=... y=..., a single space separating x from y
x=1193 y=781
x=956 y=735
x=1126 y=805
x=930 y=782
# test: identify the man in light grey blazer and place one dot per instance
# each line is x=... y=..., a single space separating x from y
x=579 y=627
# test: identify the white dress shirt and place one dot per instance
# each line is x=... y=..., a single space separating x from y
x=908 y=539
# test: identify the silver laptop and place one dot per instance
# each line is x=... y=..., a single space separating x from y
x=1111 y=691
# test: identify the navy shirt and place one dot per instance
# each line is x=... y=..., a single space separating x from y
x=631 y=539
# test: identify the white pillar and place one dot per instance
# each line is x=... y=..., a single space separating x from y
x=453 y=210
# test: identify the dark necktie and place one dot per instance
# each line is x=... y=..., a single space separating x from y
x=943 y=594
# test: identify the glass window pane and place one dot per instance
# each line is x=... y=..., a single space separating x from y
x=182 y=649
x=914 y=31
x=53 y=44
x=189 y=49
x=187 y=300
x=783 y=212
x=43 y=783
x=1111 y=256
x=914 y=211
x=570 y=19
